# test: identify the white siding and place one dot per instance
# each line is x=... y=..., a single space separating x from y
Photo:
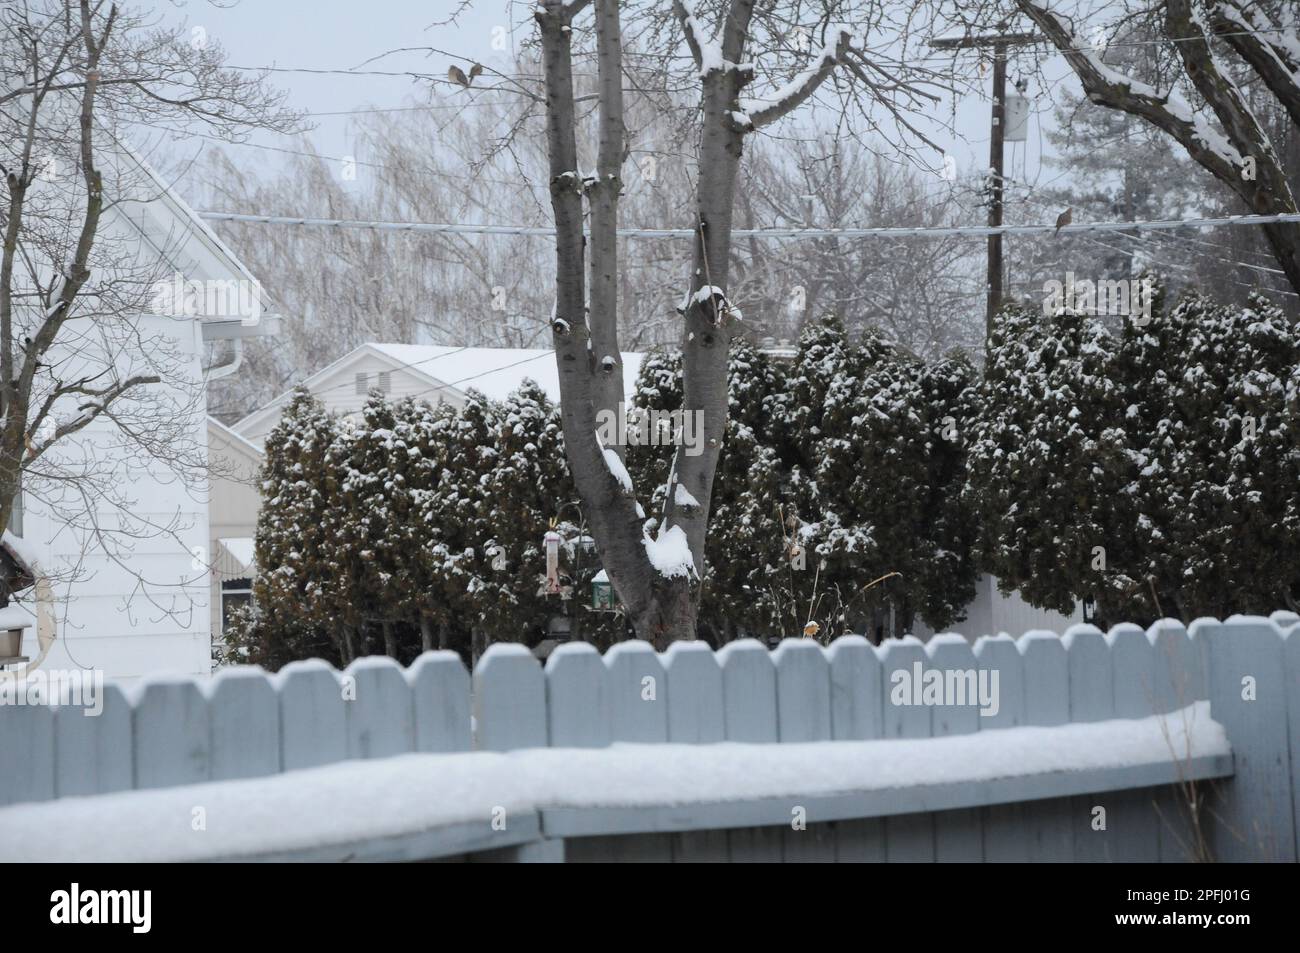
x=337 y=391
x=104 y=618
x=233 y=505
x=991 y=612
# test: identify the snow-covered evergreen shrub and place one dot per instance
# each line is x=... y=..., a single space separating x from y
x=1155 y=471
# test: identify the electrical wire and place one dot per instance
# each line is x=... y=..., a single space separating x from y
x=969 y=231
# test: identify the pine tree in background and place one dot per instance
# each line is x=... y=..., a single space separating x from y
x=422 y=467
x=290 y=619
x=831 y=477
x=463 y=567
x=943 y=582
x=1156 y=472
x=1046 y=457
x=339 y=565
x=518 y=497
x=1212 y=487
x=749 y=552
x=376 y=518
x=887 y=523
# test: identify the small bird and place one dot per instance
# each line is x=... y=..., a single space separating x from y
x=1064 y=219
x=457 y=75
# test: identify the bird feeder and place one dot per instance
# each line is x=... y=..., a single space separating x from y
x=551 y=541
x=602 y=593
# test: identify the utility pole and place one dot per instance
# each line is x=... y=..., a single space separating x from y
x=999 y=42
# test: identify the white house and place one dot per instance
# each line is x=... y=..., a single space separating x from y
x=436 y=373
x=232 y=520
x=126 y=589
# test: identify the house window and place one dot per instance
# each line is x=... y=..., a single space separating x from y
x=385 y=382
x=234 y=593
x=363 y=384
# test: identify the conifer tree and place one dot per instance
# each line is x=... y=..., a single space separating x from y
x=1046 y=458
x=290 y=619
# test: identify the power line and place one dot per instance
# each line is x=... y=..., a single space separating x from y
x=971 y=231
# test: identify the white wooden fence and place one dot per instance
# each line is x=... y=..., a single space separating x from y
x=246 y=724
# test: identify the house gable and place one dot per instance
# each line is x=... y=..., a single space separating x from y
x=427 y=372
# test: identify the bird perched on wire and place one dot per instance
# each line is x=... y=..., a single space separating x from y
x=1064 y=219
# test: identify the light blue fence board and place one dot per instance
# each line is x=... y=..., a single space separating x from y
x=860 y=841
x=1179 y=681
x=748 y=691
x=577 y=697
x=244 y=720
x=381 y=718
x=908 y=837
x=93 y=754
x=695 y=716
x=1248 y=696
x=857 y=710
x=27 y=752
x=638 y=693
x=440 y=691
x=803 y=691
x=1092 y=698
x=958 y=835
x=1049 y=833
x=1004 y=824
x=313 y=721
x=1131 y=815
x=695 y=709
x=509 y=699
x=813 y=845
x=1291 y=654
x=170 y=734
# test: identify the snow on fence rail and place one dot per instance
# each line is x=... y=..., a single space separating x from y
x=244 y=724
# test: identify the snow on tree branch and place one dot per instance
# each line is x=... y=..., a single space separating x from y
x=1108 y=87
x=705 y=50
x=767 y=109
x=1271 y=51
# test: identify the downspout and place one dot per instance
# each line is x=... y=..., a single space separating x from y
x=215 y=372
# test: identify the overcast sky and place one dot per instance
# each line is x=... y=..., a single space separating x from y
x=294 y=35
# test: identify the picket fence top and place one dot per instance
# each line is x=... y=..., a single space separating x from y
x=1283 y=621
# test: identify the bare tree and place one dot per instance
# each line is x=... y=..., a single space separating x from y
x=754 y=45
x=920 y=292
x=77 y=78
x=1238 y=152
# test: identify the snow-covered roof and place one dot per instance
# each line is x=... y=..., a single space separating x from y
x=449 y=371
x=173 y=229
x=16 y=617
x=237 y=439
x=496 y=371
